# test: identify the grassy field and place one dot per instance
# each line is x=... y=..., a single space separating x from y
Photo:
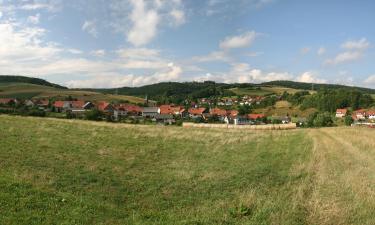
x=283 y=108
x=19 y=90
x=75 y=172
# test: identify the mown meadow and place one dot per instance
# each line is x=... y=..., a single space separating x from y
x=76 y=172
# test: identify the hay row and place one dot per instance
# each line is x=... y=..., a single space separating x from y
x=252 y=127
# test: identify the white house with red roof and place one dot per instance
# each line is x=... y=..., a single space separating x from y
x=340 y=113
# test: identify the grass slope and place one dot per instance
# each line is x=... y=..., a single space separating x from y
x=24 y=90
x=77 y=172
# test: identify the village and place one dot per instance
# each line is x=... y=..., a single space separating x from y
x=204 y=110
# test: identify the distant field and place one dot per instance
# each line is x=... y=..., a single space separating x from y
x=283 y=108
x=264 y=90
x=19 y=90
x=77 y=172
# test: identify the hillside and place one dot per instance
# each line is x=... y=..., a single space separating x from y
x=123 y=174
x=316 y=87
x=28 y=91
x=176 y=92
x=28 y=80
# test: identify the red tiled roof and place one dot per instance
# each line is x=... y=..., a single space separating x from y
x=166 y=109
x=233 y=113
x=59 y=104
x=371 y=112
x=6 y=100
x=129 y=108
x=43 y=102
x=341 y=111
x=218 y=112
x=197 y=111
x=102 y=106
x=78 y=104
x=255 y=116
x=360 y=111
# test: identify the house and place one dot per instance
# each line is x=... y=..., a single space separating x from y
x=88 y=106
x=61 y=106
x=173 y=110
x=220 y=113
x=150 y=112
x=80 y=107
x=371 y=114
x=105 y=107
x=241 y=120
x=133 y=110
x=255 y=116
x=340 y=113
x=121 y=110
x=197 y=112
x=29 y=103
x=164 y=118
x=8 y=101
x=359 y=114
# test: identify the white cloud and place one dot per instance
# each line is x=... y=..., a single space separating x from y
x=171 y=73
x=321 y=51
x=98 y=53
x=370 y=80
x=74 y=51
x=344 y=57
x=361 y=45
x=50 y=5
x=34 y=19
x=144 y=23
x=90 y=27
x=26 y=44
x=1 y=14
x=178 y=17
x=240 y=41
x=309 y=77
x=242 y=73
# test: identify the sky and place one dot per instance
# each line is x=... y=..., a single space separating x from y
x=116 y=43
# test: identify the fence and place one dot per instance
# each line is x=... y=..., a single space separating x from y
x=288 y=126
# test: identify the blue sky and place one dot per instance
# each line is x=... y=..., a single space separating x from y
x=114 y=43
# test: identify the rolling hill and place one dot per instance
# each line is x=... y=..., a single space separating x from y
x=25 y=88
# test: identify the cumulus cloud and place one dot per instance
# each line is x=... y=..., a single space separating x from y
x=171 y=73
x=240 y=41
x=309 y=77
x=90 y=27
x=344 y=57
x=370 y=80
x=354 y=50
x=243 y=73
x=144 y=23
x=361 y=44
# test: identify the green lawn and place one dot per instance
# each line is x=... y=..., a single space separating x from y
x=76 y=172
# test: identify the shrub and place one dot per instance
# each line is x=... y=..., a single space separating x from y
x=94 y=114
x=348 y=120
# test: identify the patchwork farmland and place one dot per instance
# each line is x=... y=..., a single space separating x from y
x=78 y=172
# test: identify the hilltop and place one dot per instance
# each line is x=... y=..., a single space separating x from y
x=28 y=80
x=34 y=88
